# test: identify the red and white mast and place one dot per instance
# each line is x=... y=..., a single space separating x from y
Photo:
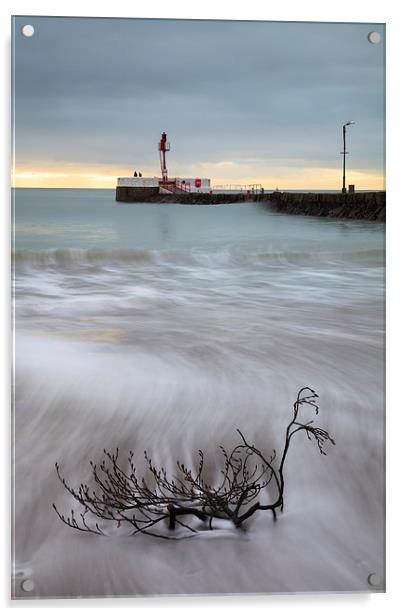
x=163 y=146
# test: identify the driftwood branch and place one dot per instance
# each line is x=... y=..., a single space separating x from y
x=158 y=505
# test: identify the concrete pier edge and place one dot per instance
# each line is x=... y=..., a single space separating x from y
x=370 y=205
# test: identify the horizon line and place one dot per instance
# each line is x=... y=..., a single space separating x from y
x=264 y=188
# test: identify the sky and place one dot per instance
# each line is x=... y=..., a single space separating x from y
x=241 y=102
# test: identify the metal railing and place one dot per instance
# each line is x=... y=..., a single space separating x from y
x=176 y=185
x=182 y=185
x=240 y=188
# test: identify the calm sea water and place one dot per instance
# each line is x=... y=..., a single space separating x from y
x=167 y=327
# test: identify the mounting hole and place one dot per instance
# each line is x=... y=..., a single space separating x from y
x=28 y=30
x=374 y=37
x=374 y=579
x=27 y=585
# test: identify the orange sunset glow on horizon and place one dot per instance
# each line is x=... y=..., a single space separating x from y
x=101 y=177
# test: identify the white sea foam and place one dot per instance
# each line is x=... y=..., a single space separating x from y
x=171 y=348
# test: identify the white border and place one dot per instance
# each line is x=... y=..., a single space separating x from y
x=308 y=10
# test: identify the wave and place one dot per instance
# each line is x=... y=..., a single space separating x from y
x=70 y=257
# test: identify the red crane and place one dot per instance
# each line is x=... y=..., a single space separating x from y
x=163 y=146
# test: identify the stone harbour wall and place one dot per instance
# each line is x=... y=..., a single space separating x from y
x=363 y=205
x=360 y=205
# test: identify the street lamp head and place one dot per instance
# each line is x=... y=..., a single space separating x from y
x=350 y=122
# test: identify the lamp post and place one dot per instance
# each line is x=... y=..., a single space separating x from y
x=344 y=153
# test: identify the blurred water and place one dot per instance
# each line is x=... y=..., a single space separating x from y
x=166 y=327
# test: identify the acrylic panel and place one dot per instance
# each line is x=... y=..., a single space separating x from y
x=199 y=272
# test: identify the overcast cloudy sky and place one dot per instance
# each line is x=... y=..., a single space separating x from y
x=241 y=102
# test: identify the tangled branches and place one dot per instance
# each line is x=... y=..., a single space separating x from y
x=157 y=505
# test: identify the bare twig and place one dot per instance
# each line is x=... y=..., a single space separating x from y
x=155 y=507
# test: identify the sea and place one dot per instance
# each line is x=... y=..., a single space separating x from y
x=165 y=328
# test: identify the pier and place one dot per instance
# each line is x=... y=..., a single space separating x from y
x=358 y=205
x=198 y=191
